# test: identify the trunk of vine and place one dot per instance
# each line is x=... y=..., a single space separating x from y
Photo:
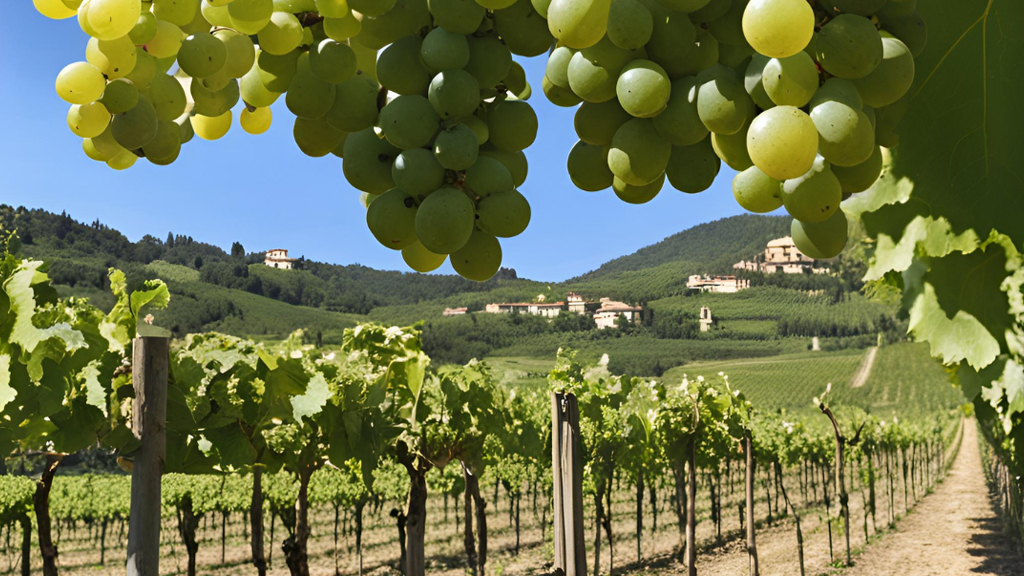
x=26 y=545
x=337 y=514
x=905 y=465
x=41 y=503
x=480 y=510
x=295 y=546
x=871 y=490
x=608 y=530
x=270 y=553
x=828 y=513
x=415 y=523
x=223 y=536
x=256 y=521
x=519 y=499
x=103 y=543
x=188 y=523
x=679 y=503
x=796 y=517
x=598 y=513
x=691 y=509
x=748 y=446
x=652 y=490
x=359 y=534
x=468 y=541
x=639 y=512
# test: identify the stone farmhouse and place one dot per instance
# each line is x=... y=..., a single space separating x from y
x=717 y=284
x=781 y=255
x=278 y=258
x=605 y=312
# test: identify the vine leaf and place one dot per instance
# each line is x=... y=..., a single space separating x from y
x=313 y=400
x=7 y=393
x=23 y=305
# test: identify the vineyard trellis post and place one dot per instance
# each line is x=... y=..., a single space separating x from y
x=567 y=463
x=150 y=365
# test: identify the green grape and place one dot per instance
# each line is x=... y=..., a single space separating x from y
x=480 y=258
x=887 y=119
x=512 y=125
x=250 y=16
x=166 y=42
x=557 y=70
x=165 y=147
x=371 y=7
x=893 y=77
x=713 y=10
x=417 y=172
x=342 y=28
x=559 y=96
x=495 y=4
x=778 y=28
x=443 y=50
x=53 y=9
x=578 y=23
x=368 y=160
x=202 y=55
x=643 y=89
x=199 y=24
x=80 y=83
x=187 y=131
x=896 y=9
x=136 y=127
x=144 y=29
x=911 y=29
x=105 y=146
x=316 y=138
x=163 y=65
x=814 y=196
x=596 y=123
x=729 y=28
x=332 y=61
x=256 y=121
x=783 y=142
x=541 y=6
x=83 y=18
x=216 y=15
x=523 y=30
x=254 y=93
x=723 y=103
x=445 y=220
x=210 y=103
x=630 y=24
x=861 y=7
x=454 y=94
x=791 y=81
x=837 y=90
x=516 y=83
x=456 y=148
x=309 y=96
x=756 y=191
x=505 y=215
x=732 y=149
x=355 y=104
x=680 y=124
x=734 y=56
x=120 y=96
x=859 y=178
x=849 y=46
x=168 y=97
x=515 y=162
x=123 y=161
x=277 y=72
x=479 y=127
x=489 y=60
x=91 y=152
x=845 y=135
x=391 y=218
x=753 y=81
x=821 y=240
x=638 y=155
x=281 y=35
x=91 y=120
x=672 y=41
x=638 y=194
x=177 y=12
x=110 y=19
x=409 y=121
x=488 y=176
x=400 y=69
x=704 y=55
x=594 y=72
x=114 y=58
x=687 y=6
x=407 y=18
x=693 y=169
x=333 y=8
x=588 y=167
x=241 y=54
x=420 y=259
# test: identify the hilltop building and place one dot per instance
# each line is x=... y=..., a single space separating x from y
x=705 y=319
x=717 y=284
x=781 y=255
x=278 y=258
x=534 y=308
x=604 y=312
x=455 y=311
x=608 y=314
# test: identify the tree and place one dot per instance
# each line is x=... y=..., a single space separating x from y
x=237 y=250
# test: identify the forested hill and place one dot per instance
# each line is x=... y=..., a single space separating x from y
x=716 y=245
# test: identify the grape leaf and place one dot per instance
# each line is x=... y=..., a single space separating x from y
x=314 y=399
x=23 y=304
x=7 y=393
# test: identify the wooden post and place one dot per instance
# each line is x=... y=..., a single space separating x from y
x=150 y=364
x=748 y=447
x=567 y=463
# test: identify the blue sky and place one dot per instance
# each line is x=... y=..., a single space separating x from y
x=262 y=191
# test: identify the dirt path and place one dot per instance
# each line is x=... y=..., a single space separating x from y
x=955 y=531
x=864 y=371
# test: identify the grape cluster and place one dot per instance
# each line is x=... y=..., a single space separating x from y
x=798 y=96
x=421 y=99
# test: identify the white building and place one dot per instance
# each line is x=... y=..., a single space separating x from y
x=605 y=312
x=608 y=314
x=534 y=308
x=781 y=255
x=705 y=319
x=455 y=311
x=278 y=258
x=717 y=284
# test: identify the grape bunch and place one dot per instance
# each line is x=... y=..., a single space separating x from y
x=797 y=96
x=421 y=100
